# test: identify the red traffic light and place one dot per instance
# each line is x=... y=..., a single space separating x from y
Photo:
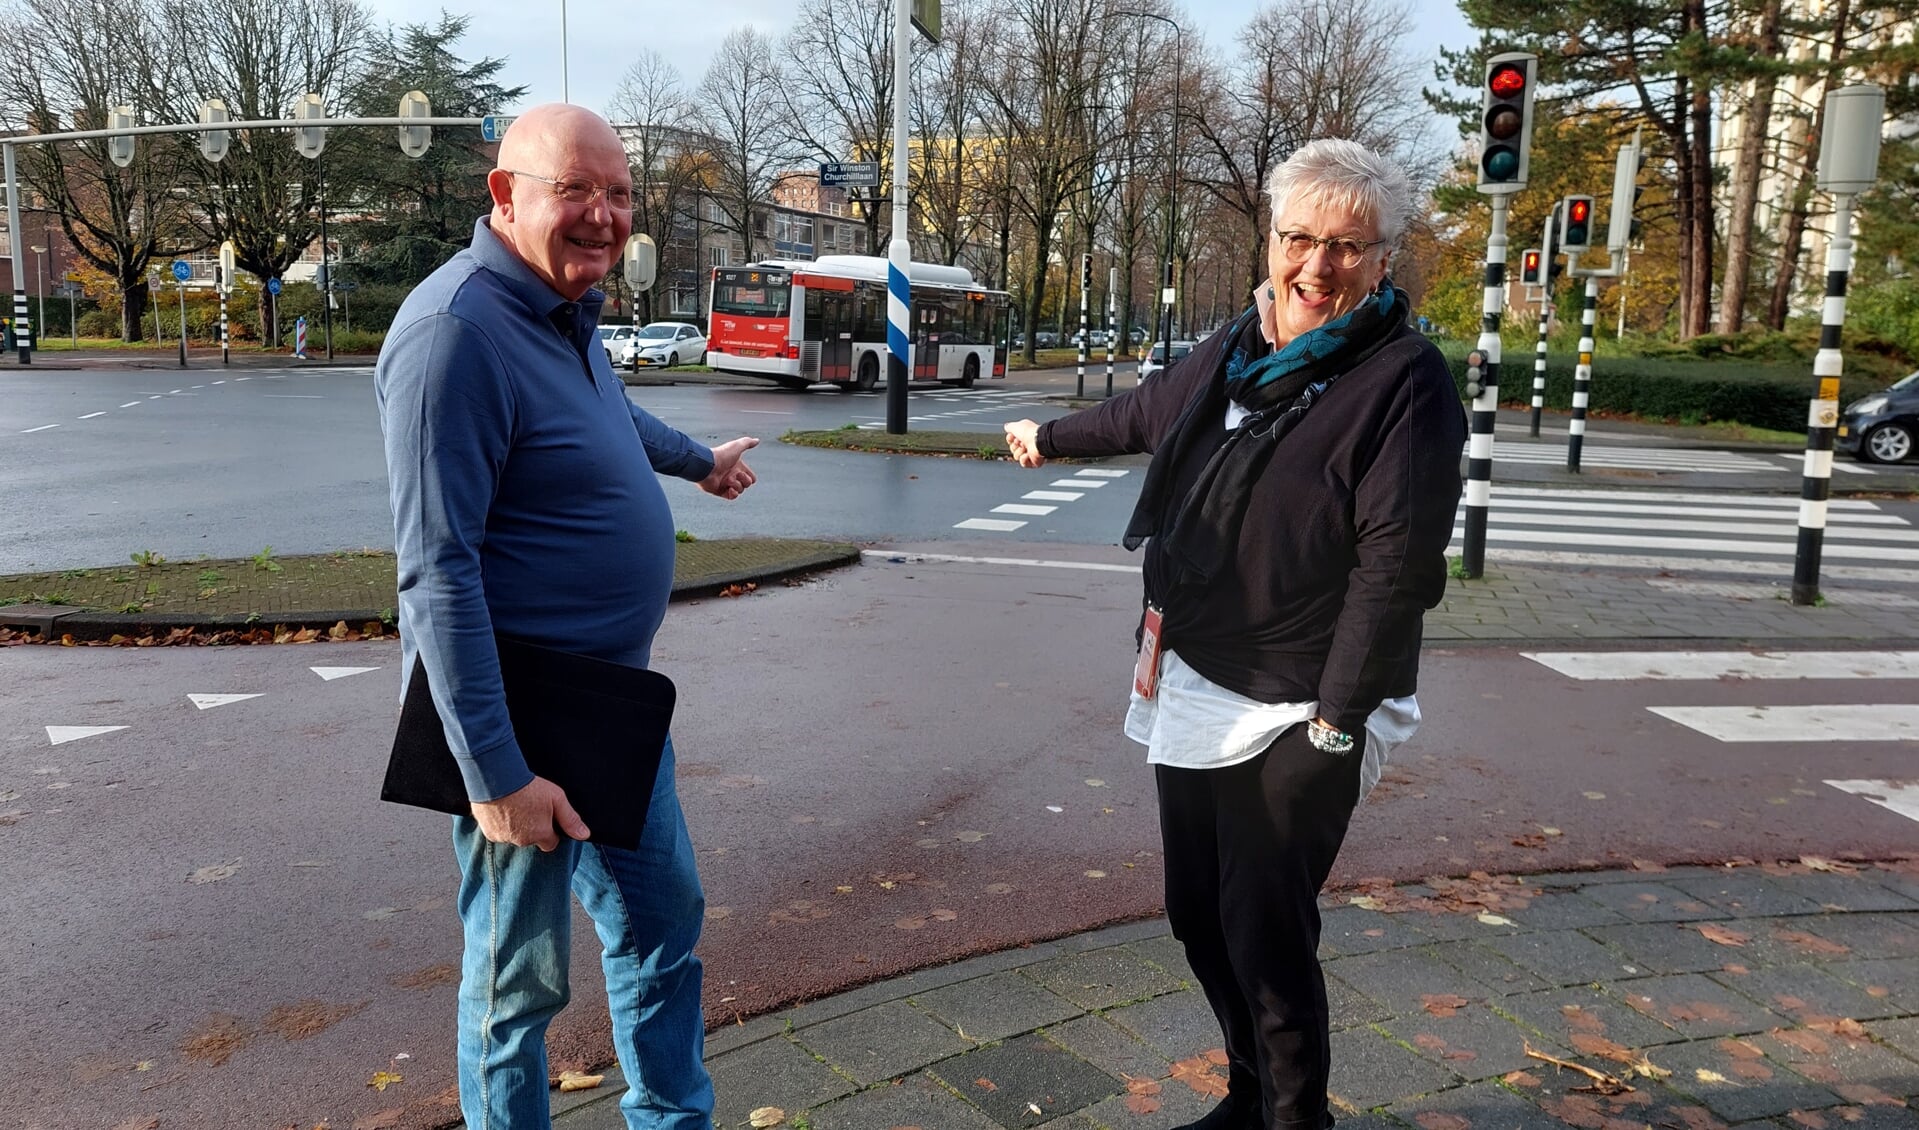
x=1507 y=80
x=1532 y=263
x=1581 y=209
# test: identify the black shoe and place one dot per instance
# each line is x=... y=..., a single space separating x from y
x=1232 y=1113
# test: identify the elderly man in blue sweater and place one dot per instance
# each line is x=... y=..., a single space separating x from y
x=526 y=502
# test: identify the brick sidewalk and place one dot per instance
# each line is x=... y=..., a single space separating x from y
x=1784 y=997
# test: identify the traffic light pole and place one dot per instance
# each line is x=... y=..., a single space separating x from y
x=1822 y=421
x=1582 y=376
x=1539 y=356
x=1479 y=450
x=22 y=325
x=1085 y=284
x=899 y=290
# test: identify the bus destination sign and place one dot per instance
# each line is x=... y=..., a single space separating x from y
x=849 y=174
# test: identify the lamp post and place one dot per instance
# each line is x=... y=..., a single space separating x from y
x=1172 y=179
x=40 y=284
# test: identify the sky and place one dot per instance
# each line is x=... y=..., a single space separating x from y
x=601 y=35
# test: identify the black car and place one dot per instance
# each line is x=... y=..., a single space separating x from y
x=1881 y=428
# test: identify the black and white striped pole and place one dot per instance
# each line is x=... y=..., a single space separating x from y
x=1505 y=144
x=22 y=323
x=1539 y=357
x=1085 y=284
x=1576 y=233
x=1112 y=288
x=228 y=261
x=1848 y=165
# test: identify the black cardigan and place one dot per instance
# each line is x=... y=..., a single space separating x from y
x=1344 y=546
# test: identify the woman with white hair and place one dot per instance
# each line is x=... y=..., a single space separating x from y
x=1295 y=515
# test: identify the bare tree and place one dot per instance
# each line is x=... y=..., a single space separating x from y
x=837 y=92
x=656 y=121
x=259 y=56
x=953 y=154
x=737 y=105
x=67 y=66
x=1747 y=172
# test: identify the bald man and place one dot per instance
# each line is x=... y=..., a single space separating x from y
x=525 y=502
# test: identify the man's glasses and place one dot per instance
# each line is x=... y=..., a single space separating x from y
x=575 y=190
x=1344 y=251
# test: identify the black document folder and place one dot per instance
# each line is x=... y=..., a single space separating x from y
x=594 y=728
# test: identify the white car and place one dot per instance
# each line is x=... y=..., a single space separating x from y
x=1155 y=360
x=613 y=339
x=660 y=345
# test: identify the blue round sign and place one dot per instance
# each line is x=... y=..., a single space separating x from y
x=273 y=286
x=182 y=270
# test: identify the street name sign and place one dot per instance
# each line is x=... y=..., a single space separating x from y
x=493 y=127
x=849 y=174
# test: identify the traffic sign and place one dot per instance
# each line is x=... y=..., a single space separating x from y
x=182 y=270
x=849 y=174
x=273 y=286
x=493 y=127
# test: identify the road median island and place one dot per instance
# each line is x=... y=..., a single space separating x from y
x=354 y=587
x=953 y=444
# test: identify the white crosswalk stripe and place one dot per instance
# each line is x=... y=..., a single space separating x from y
x=1082 y=482
x=1640 y=459
x=1692 y=532
x=1614 y=666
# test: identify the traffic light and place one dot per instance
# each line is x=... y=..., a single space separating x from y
x=1529 y=267
x=1577 y=235
x=1625 y=196
x=414 y=140
x=1506 y=122
x=1475 y=373
x=309 y=140
x=213 y=142
x=120 y=149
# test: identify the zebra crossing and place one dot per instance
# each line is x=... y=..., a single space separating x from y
x=1038 y=503
x=1639 y=459
x=1894 y=717
x=1691 y=532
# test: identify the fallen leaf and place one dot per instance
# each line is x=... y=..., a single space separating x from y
x=1809 y=943
x=1440 y=1120
x=1724 y=936
x=765 y=1116
x=1096 y=874
x=1428 y=1041
x=580 y=1081
x=985 y=1084
x=1645 y=1068
x=1707 y=1075
x=1198 y=1074
x=1142 y=1104
x=214 y=873
x=383 y=1079
x=1848 y=1028
x=1816 y=863
x=1810 y=1119
x=1805 y=1041
x=1442 y=1004
x=1520 y=1079
x=942 y=915
x=1364 y=902
x=1488 y=918
x=1033 y=1108
x=1865 y=1094
x=1140 y=1086
x=1586 y=1043
x=1647 y=865
x=1878 y=992
x=139 y=1122
x=1594 y=796
x=1735 y=970
x=1217 y=1057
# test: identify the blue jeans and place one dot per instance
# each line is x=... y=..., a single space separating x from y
x=647 y=908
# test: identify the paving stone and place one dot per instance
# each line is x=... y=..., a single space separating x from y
x=1802 y=991
x=1103 y=978
x=1839 y=1118
x=1110 y=1048
x=1371 y=1120
x=1867 y=936
x=1369 y=1070
x=1857 y=892
x=1736 y=1082
x=1347 y=1007
x=1008 y=1080
x=1671 y=947
x=1175 y=1105
x=1483 y=1106
x=1648 y=902
x=995 y=1007
x=1495 y=971
x=1856 y=1070
x=1560 y=1014
x=1563 y=910
x=1697 y=1006
x=1165 y=951
x=772 y=1073
x=1457 y=927
x=918 y=1100
x=1177 y=1025
x=1898 y=977
x=1902 y=1034
x=881 y=1042
x=1402 y=979
x=1561 y=957
x=1349 y=930
x=1474 y=1042
x=1746 y=893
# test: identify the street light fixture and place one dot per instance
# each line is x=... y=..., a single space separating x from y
x=1172 y=177
x=40 y=286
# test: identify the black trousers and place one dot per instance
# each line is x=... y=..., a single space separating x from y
x=1247 y=849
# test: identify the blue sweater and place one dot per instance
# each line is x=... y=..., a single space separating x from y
x=523 y=488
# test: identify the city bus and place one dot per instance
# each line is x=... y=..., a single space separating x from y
x=799 y=323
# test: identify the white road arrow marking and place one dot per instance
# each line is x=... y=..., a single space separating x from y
x=209 y=701
x=60 y=735
x=332 y=673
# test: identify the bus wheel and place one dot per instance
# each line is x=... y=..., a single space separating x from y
x=797 y=384
x=869 y=375
x=969 y=374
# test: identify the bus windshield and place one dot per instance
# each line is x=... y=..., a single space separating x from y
x=765 y=298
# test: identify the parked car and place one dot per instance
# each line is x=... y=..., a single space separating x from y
x=1880 y=428
x=664 y=344
x=613 y=339
x=1155 y=359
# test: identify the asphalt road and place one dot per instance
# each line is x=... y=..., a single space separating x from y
x=209 y=916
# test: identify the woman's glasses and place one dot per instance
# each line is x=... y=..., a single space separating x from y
x=1344 y=251
x=575 y=190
